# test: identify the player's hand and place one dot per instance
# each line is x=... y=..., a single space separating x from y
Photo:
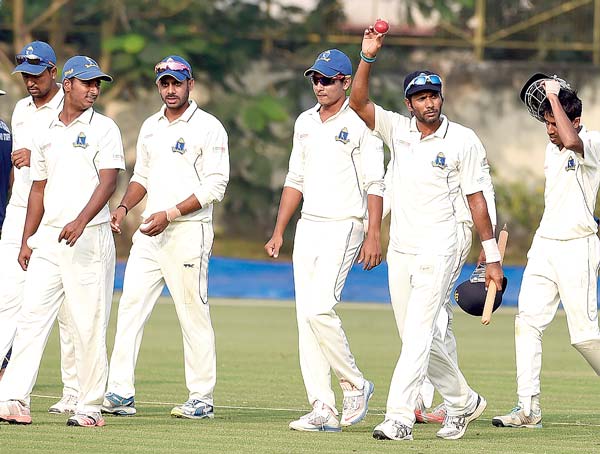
x=481 y=258
x=21 y=158
x=370 y=252
x=274 y=245
x=24 y=256
x=155 y=224
x=116 y=217
x=493 y=272
x=372 y=42
x=71 y=232
x=552 y=87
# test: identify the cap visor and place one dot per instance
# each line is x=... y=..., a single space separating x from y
x=321 y=69
x=532 y=79
x=28 y=68
x=427 y=87
x=178 y=75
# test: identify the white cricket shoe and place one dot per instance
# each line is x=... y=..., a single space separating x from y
x=356 y=402
x=321 y=419
x=390 y=429
x=66 y=405
x=456 y=426
x=15 y=412
x=518 y=418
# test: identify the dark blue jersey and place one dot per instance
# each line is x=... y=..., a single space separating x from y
x=5 y=166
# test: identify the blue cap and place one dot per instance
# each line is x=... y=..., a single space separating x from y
x=174 y=66
x=37 y=50
x=83 y=68
x=331 y=63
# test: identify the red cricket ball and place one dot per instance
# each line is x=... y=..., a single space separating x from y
x=381 y=26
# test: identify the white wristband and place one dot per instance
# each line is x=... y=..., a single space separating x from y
x=492 y=253
x=173 y=213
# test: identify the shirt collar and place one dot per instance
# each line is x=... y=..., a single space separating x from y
x=191 y=110
x=314 y=112
x=85 y=117
x=439 y=132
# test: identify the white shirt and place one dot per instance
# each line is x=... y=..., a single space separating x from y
x=187 y=157
x=571 y=189
x=69 y=158
x=27 y=122
x=430 y=177
x=335 y=164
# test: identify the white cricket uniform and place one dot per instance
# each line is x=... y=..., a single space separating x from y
x=431 y=175
x=335 y=164
x=80 y=277
x=174 y=160
x=562 y=264
x=27 y=122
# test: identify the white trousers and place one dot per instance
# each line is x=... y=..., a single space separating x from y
x=323 y=254
x=12 y=284
x=81 y=278
x=418 y=288
x=556 y=271
x=178 y=257
x=464 y=239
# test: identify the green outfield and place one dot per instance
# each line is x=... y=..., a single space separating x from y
x=260 y=390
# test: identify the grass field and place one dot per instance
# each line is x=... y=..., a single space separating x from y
x=260 y=390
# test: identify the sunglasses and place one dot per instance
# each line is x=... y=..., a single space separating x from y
x=172 y=65
x=422 y=79
x=325 y=81
x=33 y=60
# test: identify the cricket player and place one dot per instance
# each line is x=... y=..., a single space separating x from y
x=68 y=248
x=182 y=165
x=5 y=167
x=562 y=263
x=435 y=163
x=36 y=63
x=336 y=167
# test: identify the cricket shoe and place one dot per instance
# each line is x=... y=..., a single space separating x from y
x=456 y=426
x=193 y=409
x=66 y=405
x=517 y=417
x=117 y=405
x=92 y=419
x=420 y=410
x=356 y=402
x=320 y=419
x=437 y=415
x=391 y=429
x=14 y=412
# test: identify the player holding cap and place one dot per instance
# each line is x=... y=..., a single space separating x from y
x=182 y=165
x=336 y=166
x=36 y=63
x=435 y=163
x=562 y=263
x=68 y=249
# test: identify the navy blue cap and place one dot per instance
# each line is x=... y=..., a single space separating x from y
x=37 y=50
x=416 y=88
x=174 y=66
x=83 y=68
x=332 y=62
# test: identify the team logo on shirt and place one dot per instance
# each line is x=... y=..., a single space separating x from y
x=343 y=136
x=440 y=161
x=80 y=142
x=570 y=164
x=179 y=146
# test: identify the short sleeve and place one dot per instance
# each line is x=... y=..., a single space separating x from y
x=471 y=166
x=110 y=153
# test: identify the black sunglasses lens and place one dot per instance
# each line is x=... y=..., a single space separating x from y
x=325 y=81
x=31 y=60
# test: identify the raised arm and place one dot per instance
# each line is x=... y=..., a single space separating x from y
x=567 y=132
x=359 y=97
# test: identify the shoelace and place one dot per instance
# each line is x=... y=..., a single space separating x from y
x=401 y=430
x=458 y=421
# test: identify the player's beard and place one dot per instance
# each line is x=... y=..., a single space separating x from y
x=426 y=118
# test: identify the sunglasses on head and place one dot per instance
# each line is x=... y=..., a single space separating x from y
x=172 y=65
x=32 y=60
x=422 y=79
x=325 y=81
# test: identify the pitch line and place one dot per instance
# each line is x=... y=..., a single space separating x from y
x=372 y=411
